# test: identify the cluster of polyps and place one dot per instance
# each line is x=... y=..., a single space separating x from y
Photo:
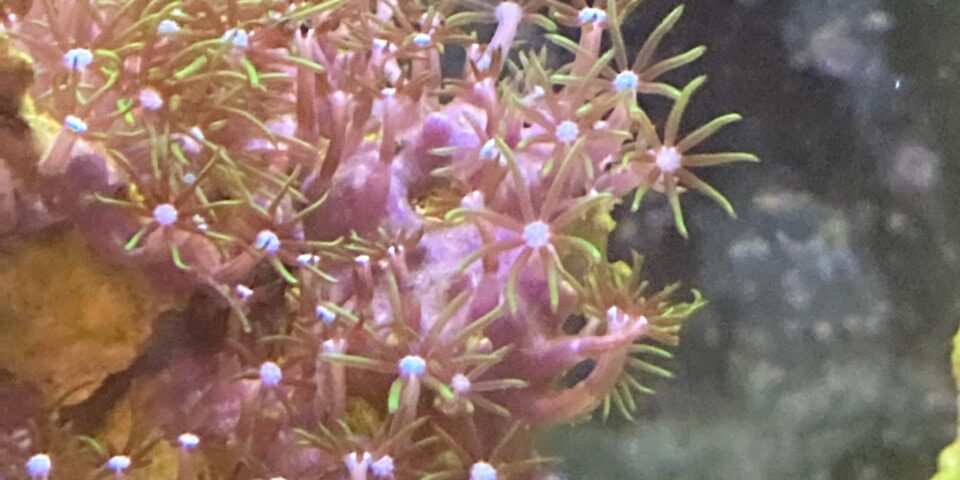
x=433 y=245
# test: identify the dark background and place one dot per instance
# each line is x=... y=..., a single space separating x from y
x=824 y=352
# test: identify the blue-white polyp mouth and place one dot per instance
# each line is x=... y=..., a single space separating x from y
x=165 y=214
x=39 y=466
x=567 y=131
x=270 y=374
x=483 y=471
x=626 y=80
x=412 y=366
x=536 y=234
x=267 y=241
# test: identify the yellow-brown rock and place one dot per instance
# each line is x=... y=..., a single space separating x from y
x=67 y=318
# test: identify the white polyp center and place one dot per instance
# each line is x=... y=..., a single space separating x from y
x=188 y=441
x=626 y=80
x=644 y=324
x=380 y=44
x=39 y=466
x=616 y=318
x=75 y=124
x=236 y=36
x=200 y=222
x=567 y=131
x=483 y=63
x=243 y=292
x=165 y=214
x=383 y=467
x=591 y=14
x=613 y=314
x=325 y=314
x=422 y=40
x=150 y=99
x=483 y=471
x=305 y=259
x=267 y=241
x=536 y=234
x=412 y=366
x=78 y=58
x=197 y=134
x=186 y=143
x=335 y=345
x=357 y=464
x=460 y=384
x=168 y=27
x=270 y=374
x=489 y=150
x=668 y=159
x=473 y=200
x=119 y=463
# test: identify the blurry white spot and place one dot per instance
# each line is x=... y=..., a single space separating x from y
x=118 y=463
x=567 y=132
x=489 y=150
x=914 y=168
x=168 y=27
x=75 y=124
x=335 y=345
x=422 y=40
x=626 y=80
x=412 y=366
x=39 y=466
x=668 y=159
x=243 y=292
x=78 y=58
x=357 y=464
x=150 y=99
x=383 y=467
x=796 y=291
x=460 y=384
x=165 y=214
x=591 y=14
x=270 y=374
x=483 y=471
x=236 y=36
x=536 y=234
x=325 y=314
x=473 y=200
x=197 y=134
x=822 y=330
x=878 y=21
x=754 y=247
x=267 y=241
x=188 y=440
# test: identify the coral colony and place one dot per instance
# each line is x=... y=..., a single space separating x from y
x=410 y=262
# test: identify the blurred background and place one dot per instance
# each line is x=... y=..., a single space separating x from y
x=824 y=353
